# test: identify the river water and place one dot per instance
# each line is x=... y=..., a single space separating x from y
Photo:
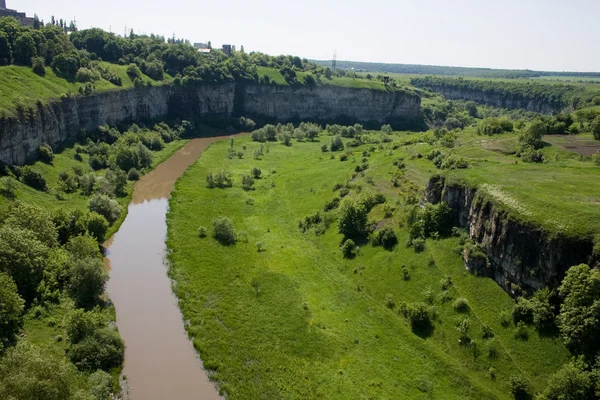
x=160 y=361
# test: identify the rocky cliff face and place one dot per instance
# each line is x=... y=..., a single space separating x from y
x=64 y=119
x=519 y=256
x=328 y=103
x=511 y=102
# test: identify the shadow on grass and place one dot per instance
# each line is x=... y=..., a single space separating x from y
x=423 y=331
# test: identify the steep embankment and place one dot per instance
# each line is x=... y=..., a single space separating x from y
x=517 y=253
x=531 y=96
x=62 y=120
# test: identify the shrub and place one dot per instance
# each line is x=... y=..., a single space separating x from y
x=389 y=301
x=523 y=311
x=11 y=309
x=405 y=273
x=521 y=331
x=518 y=387
x=256 y=173
x=418 y=244
x=386 y=129
x=81 y=324
x=420 y=315
x=33 y=178
x=247 y=182
x=353 y=217
x=221 y=179
x=344 y=157
x=85 y=75
x=105 y=206
x=331 y=205
x=88 y=278
x=386 y=238
x=348 y=248
x=8 y=187
x=463 y=327
x=202 y=232
x=134 y=72
x=133 y=174
x=461 y=305
x=336 y=143
x=97 y=162
x=96 y=226
x=223 y=231
x=38 y=66
x=104 y=350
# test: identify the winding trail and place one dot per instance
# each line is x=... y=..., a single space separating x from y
x=160 y=361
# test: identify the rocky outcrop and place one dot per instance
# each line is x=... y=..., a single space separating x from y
x=63 y=119
x=499 y=100
x=519 y=256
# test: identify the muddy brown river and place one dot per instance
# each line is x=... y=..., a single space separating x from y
x=160 y=361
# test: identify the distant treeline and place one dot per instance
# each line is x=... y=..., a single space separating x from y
x=450 y=71
x=510 y=95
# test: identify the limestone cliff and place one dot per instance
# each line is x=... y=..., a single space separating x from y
x=499 y=100
x=517 y=253
x=64 y=119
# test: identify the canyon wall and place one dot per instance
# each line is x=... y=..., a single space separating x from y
x=519 y=256
x=500 y=100
x=63 y=119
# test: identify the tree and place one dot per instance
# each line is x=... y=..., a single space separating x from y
x=34 y=178
x=223 y=231
x=24 y=49
x=353 y=217
x=572 y=382
x=105 y=206
x=88 y=278
x=5 y=50
x=596 y=157
x=45 y=153
x=104 y=350
x=532 y=135
x=348 y=248
x=28 y=373
x=23 y=257
x=386 y=129
x=595 y=127
x=336 y=143
x=579 y=318
x=81 y=324
x=11 y=310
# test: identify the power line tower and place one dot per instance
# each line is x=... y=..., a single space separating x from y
x=334 y=62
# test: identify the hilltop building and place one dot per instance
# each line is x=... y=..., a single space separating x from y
x=21 y=16
x=202 y=47
x=228 y=49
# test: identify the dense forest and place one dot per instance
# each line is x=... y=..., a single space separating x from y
x=75 y=56
x=359 y=66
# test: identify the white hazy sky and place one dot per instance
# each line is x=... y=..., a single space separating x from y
x=521 y=34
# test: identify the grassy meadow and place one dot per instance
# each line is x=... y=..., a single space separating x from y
x=281 y=314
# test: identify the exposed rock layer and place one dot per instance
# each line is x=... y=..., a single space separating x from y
x=520 y=256
x=64 y=119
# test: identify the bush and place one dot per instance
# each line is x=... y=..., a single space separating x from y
x=461 y=305
x=256 y=173
x=134 y=72
x=247 y=182
x=353 y=218
x=348 y=249
x=223 y=231
x=88 y=278
x=418 y=244
x=81 y=324
x=221 y=179
x=105 y=206
x=344 y=157
x=96 y=226
x=85 y=75
x=336 y=143
x=518 y=387
x=97 y=162
x=521 y=331
x=386 y=129
x=133 y=174
x=202 y=232
x=386 y=238
x=523 y=311
x=420 y=315
x=103 y=350
x=11 y=309
x=38 y=66
x=33 y=178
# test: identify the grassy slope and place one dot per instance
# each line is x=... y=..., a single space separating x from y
x=289 y=322
x=19 y=86
x=560 y=195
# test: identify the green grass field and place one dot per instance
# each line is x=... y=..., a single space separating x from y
x=20 y=87
x=297 y=320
